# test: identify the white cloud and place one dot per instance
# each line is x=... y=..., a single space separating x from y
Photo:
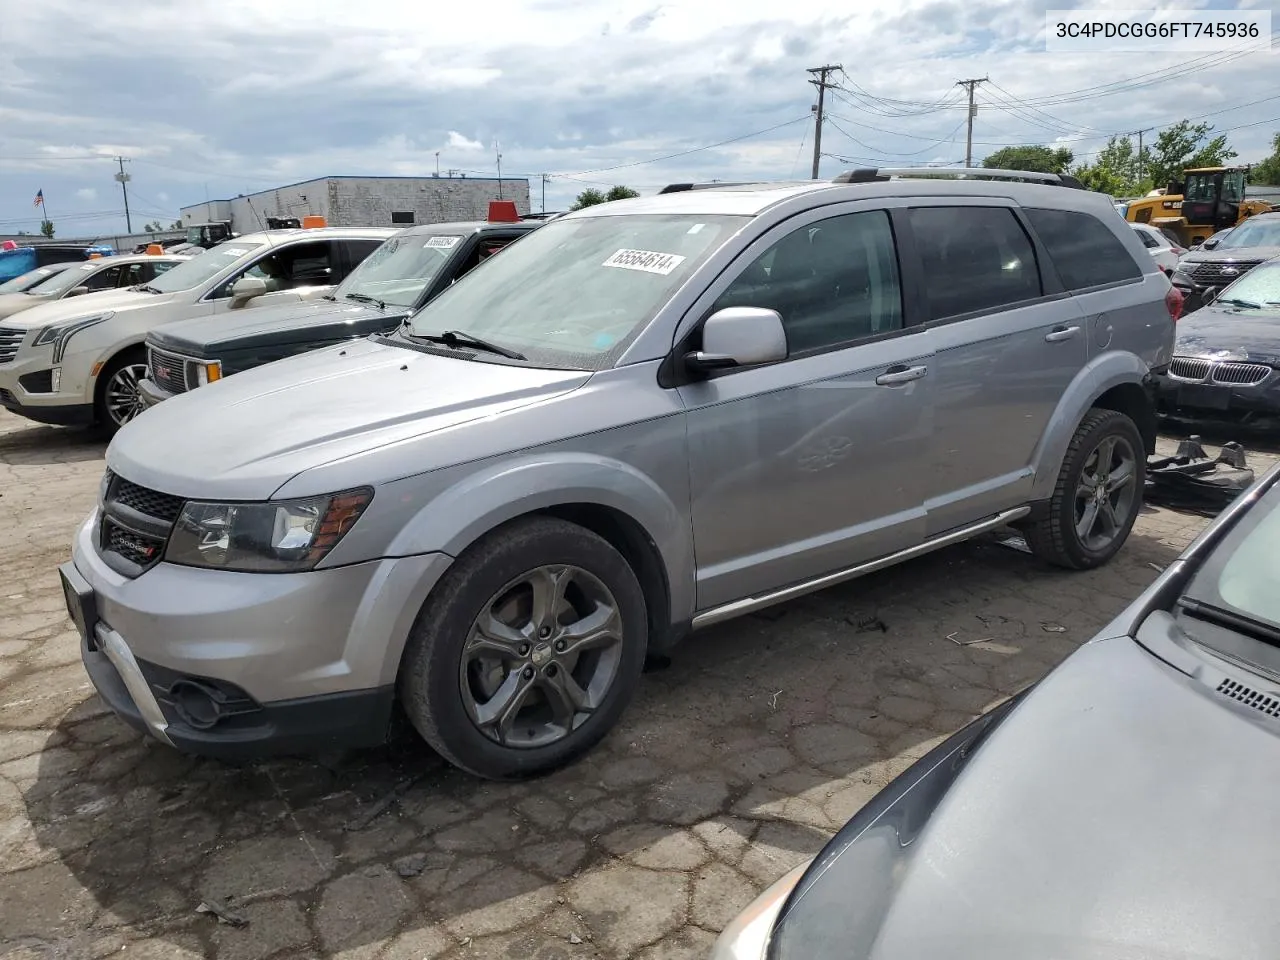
x=87 y=193
x=459 y=142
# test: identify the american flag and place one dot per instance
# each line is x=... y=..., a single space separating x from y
x=39 y=201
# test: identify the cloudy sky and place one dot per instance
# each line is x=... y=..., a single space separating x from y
x=211 y=98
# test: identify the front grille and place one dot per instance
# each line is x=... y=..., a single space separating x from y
x=10 y=341
x=1184 y=368
x=136 y=522
x=1227 y=373
x=169 y=372
x=1241 y=374
x=1213 y=272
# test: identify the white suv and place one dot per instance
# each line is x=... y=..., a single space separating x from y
x=79 y=361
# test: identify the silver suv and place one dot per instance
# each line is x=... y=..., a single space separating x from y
x=644 y=418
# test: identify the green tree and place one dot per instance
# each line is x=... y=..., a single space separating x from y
x=176 y=225
x=1182 y=146
x=152 y=227
x=588 y=198
x=46 y=227
x=1114 y=170
x=1033 y=157
x=1268 y=171
x=621 y=193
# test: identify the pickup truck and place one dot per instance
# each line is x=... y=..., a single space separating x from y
x=394 y=281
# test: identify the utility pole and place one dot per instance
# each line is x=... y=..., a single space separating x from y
x=499 y=155
x=821 y=84
x=973 y=111
x=1140 y=133
x=123 y=178
x=544 y=192
x=437 y=163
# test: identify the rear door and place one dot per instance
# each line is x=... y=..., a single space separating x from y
x=1007 y=343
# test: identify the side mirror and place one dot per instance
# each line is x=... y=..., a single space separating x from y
x=1209 y=244
x=739 y=337
x=77 y=291
x=246 y=288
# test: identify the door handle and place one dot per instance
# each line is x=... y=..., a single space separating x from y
x=892 y=376
x=1058 y=334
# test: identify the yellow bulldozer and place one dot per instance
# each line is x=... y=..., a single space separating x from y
x=1207 y=199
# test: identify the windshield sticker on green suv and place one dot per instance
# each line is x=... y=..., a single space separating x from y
x=441 y=243
x=646 y=260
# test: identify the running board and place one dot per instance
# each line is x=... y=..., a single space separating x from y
x=750 y=604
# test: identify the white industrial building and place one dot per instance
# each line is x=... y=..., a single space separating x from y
x=366 y=201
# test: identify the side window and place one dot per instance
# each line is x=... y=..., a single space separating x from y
x=974 y=258
x=135 y=273
x=299 y=265
x=356 y=251
x=103 y=279
x=485 y=249
x=1086 y=253
x=832 y=282
x=1147 y=239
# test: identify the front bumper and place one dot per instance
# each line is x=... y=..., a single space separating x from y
x=32 y=386
x=241 y=665
x=150 y=393
x=1204 y=398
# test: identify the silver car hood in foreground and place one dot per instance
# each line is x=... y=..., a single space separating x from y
x=1121 y=811
x=243 y=437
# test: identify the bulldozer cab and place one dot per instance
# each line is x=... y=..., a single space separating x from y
x=1211 y=197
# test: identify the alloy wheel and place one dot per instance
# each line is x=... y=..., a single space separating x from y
x=123 y=399
x=541 y=656
x=1107 y=493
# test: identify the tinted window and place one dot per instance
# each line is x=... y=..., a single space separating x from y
x=975 y=258
x=300 y=265
x=357 y=250
x=1085 y=252
x=1147 y=239
x=832 y=282
x=103 y=279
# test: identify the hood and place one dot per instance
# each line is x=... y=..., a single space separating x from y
x=86 y=305
x=1230 y=333
x=243 y=437
x=284 y=324
x=1120 y=810
x=11 y=303
x=1237 y=253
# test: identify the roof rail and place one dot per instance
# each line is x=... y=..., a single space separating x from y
x=881 y=174
x=710 y=185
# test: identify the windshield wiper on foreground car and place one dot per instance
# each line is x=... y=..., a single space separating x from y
x=1236 y=302
x=459 y=338
x=1219 y=616
x=365 y=298
x=145 y=288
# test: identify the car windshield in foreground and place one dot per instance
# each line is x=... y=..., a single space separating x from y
x=1238 y=586
x=575 y=293
x=198 y=269
x=1254 y=233
x=1259 y=287
x=65 y=280
x=26 y=281
x=397 y=272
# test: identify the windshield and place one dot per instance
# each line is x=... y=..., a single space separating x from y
x=575 y=293
x=1261 y=285
x=1252 y=233
x=29 y=279
x=64 y=280
x=399 y=270
x=202 y=267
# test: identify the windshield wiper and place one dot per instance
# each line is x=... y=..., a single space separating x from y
x=1236 y=302
x=147 y=288
x=457 y=338
x=330 y=297
x=1249 y=626
x=362 y=298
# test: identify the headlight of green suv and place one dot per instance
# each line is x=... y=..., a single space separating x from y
x=284 y=536
x=59 y=333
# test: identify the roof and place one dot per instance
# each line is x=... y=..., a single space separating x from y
x=135 y=258
x=1213 y=169
x=469 y=226
x=349 y=233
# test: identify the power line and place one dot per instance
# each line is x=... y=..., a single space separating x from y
x=831 y=118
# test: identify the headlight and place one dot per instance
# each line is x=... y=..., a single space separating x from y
x=58 y=334
x=208 y=371
x=747 y=936
x=277 y=537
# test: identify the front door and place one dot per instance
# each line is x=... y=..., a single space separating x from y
x=292 y=272
x=813 y=464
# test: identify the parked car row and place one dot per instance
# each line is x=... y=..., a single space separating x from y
x=641 y=419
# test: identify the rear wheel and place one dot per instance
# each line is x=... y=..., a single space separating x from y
x=118 y=400
x=528 y=651
x=1097 y=497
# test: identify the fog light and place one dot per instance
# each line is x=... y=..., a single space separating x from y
x=55 y=380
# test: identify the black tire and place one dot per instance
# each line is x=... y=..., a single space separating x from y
x=1055 y=538
x=104 y=421
x=430 y=681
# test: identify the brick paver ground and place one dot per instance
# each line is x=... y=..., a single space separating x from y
x=733 y=765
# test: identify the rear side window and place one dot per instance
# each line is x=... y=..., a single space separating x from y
x=1147 y=239
x=975 y=259
x=1085 y=252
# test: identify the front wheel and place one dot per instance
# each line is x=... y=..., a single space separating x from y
x=118 y=396
x=1097 y=497
x=528 y=651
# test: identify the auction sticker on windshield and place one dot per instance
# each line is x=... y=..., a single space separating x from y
x=647 y=260
x=441 y=243
x=235 y=251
